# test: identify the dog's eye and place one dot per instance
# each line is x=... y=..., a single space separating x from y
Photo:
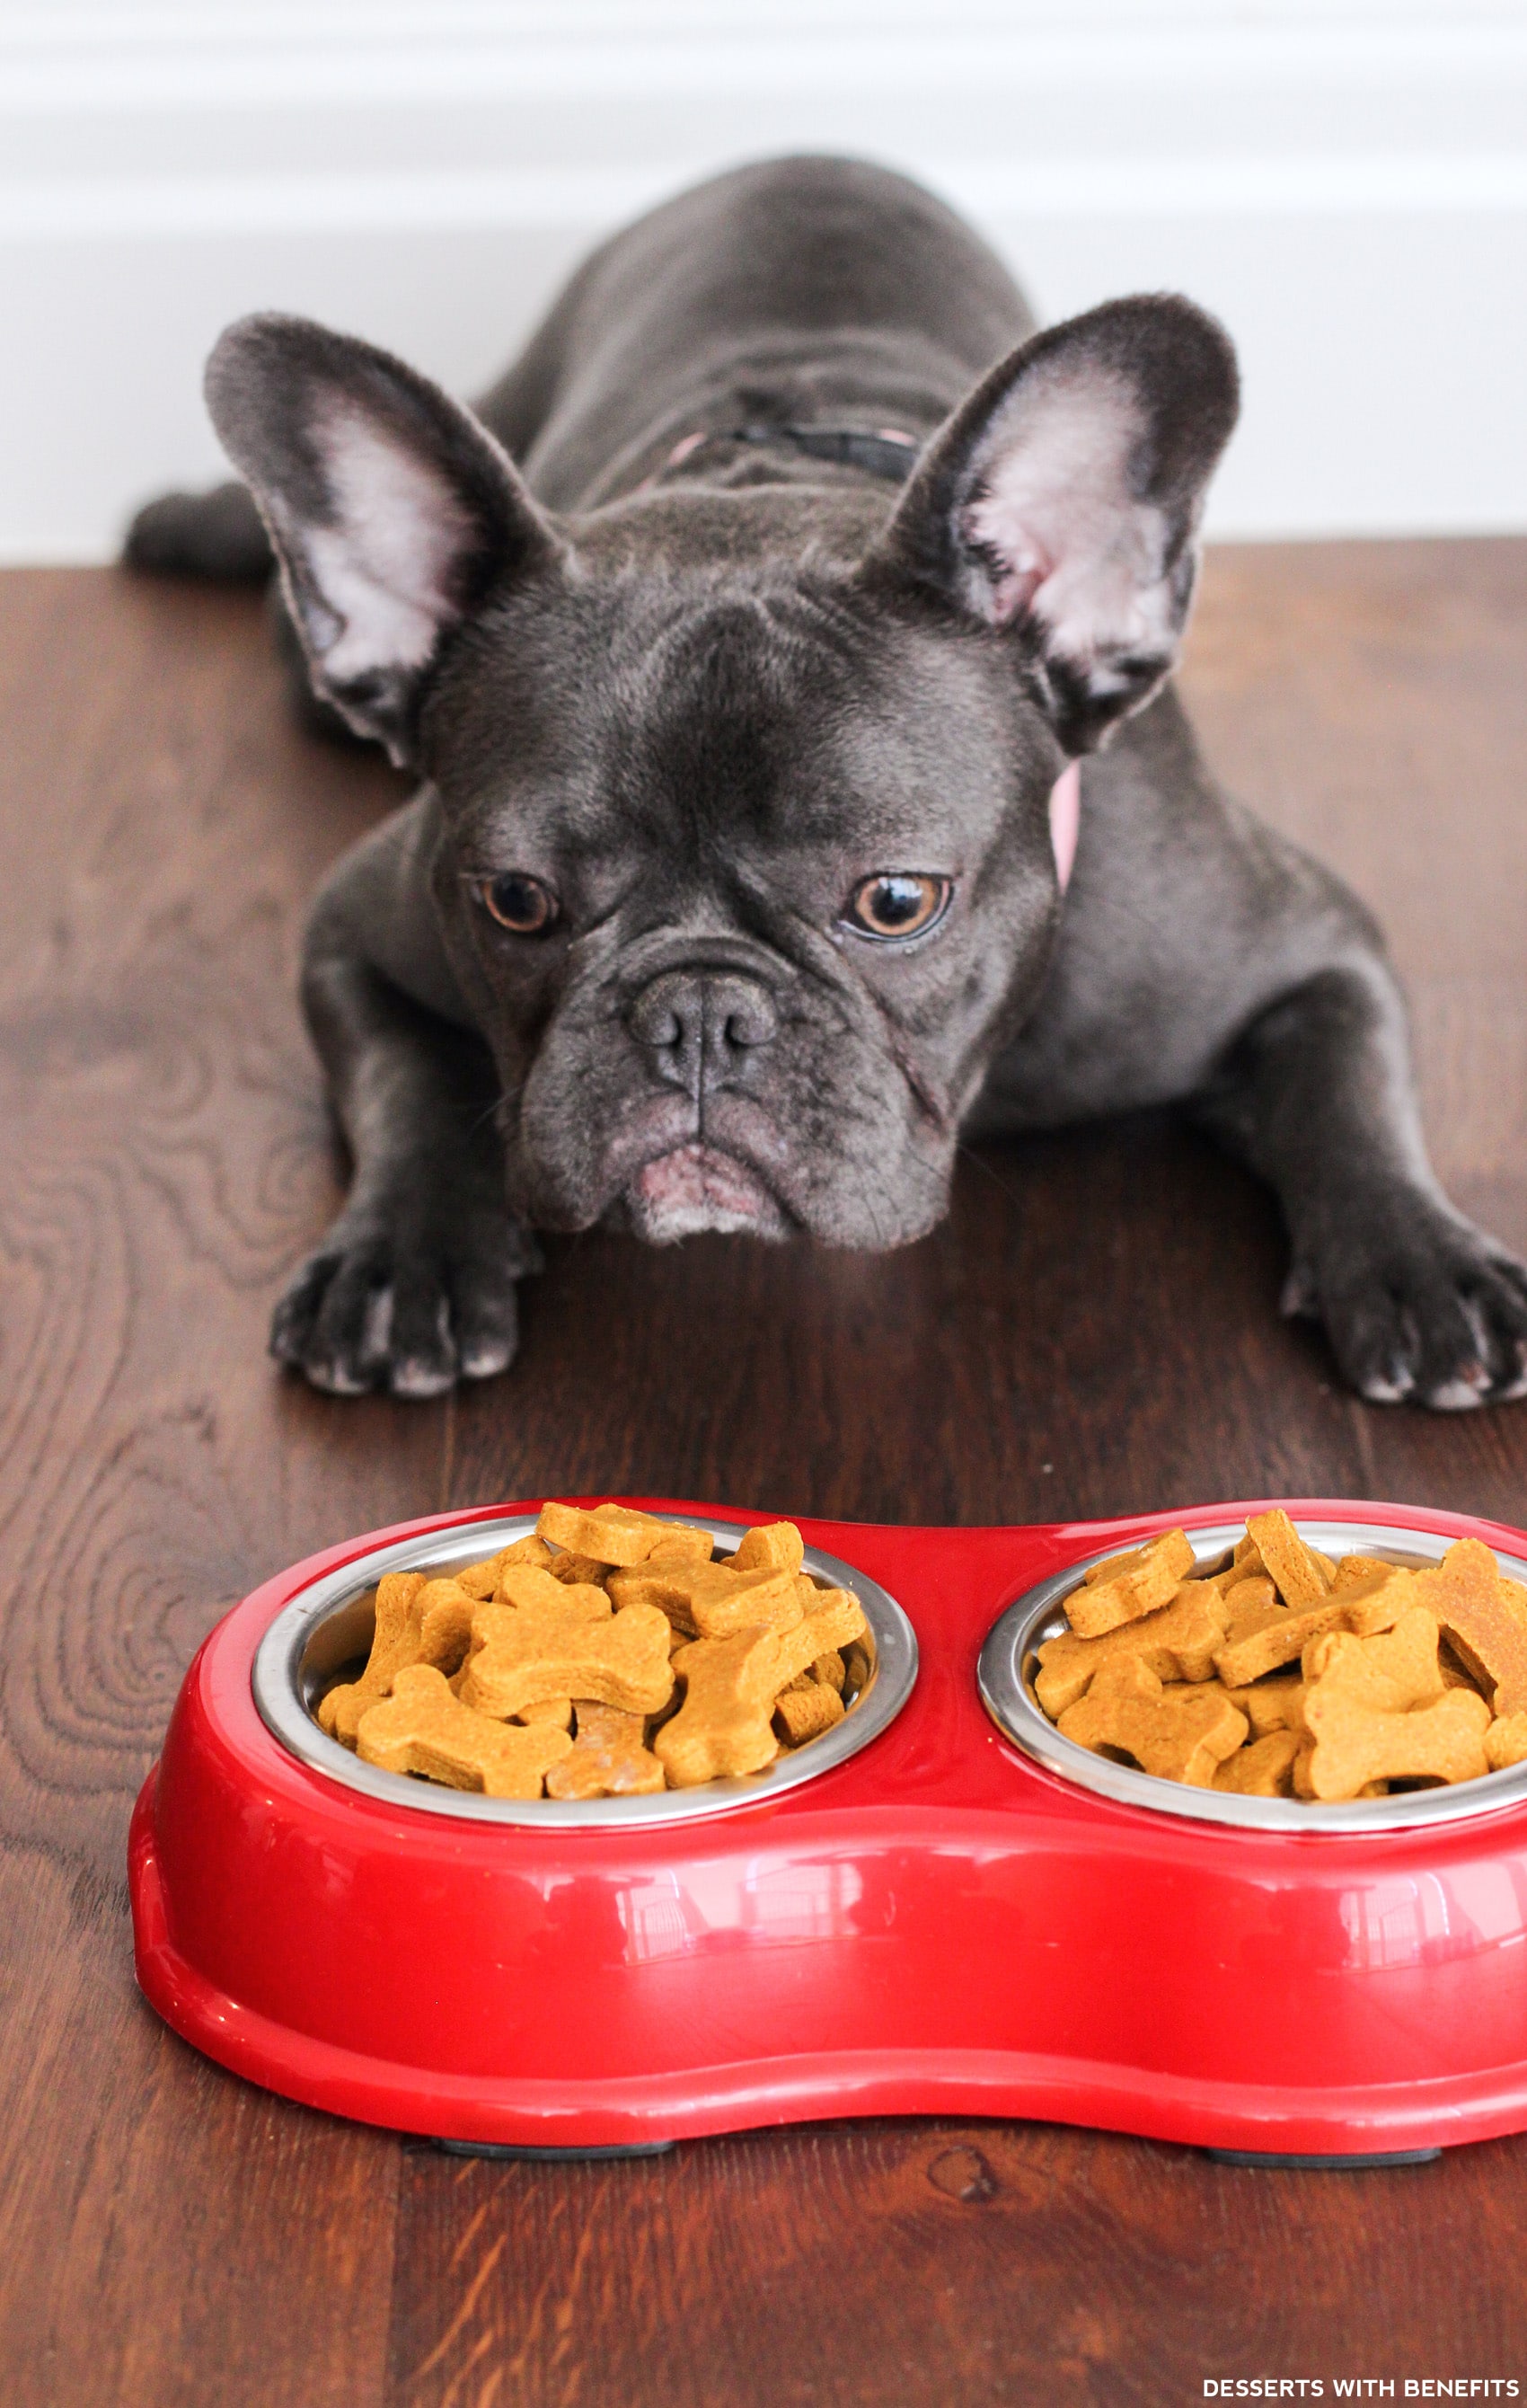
x=520 y=904
x=897 y=903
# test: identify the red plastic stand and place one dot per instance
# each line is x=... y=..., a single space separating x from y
x=938 y=1926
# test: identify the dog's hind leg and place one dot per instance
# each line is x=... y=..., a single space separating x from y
x=1316 y=1094
x=219 y=536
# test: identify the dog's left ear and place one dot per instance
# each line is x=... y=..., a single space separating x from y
x=1062 y=502
x=394 y=513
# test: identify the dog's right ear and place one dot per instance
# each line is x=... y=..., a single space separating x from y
x=393 y=512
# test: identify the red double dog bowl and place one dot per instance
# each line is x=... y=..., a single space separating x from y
x=941 y=1907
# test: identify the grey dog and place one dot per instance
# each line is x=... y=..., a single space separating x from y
x=746 y=639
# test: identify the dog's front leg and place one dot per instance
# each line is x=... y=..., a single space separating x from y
x=1316 y=1096
x=414 y=1285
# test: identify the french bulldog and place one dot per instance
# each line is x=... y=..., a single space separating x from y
x=783 y=648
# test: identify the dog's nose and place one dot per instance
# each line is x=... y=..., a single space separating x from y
x=702 y=1026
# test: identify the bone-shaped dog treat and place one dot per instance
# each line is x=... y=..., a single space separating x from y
x=777 y=1544
x=1138 y=1584
x=1247 y=1597
x=1354 y=1743
x=1485 y=1618
x=838 y=1618
x=555 y=1711
x=444 y=1609
x=423 y=1729
x=579 y=1572
x=1270 y=1705
x=1182 y=1734
x=1245 y=1563
x=1391 y=1671
x=713 y=1600
x=524 y=1585
x=394 y=1643
x=1178 y=1642
x=1265 y=1768
x=540 y=1650
x=1301 y=1577
x=1354 y=1570
x=1275 y=1634
x=805 y=1712
x=481 y=1580
x=1505 y=1742
x=609 y=1758
x=723 y=1726
x=618 y=1534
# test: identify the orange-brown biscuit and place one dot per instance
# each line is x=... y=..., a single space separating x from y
x=579 y=1572
x=1297 y=1573
x=1269 y=1705
x=525 y=1585
x=1178 y=1642
x=839 y=1618
x=777 y=1544
x=610 y=1757
x=445 y=1609
x=540 y=1650
x=1505 y=1742
x=1137 y=1585
x=618 y=1534
x=830 y=1671
x=804 y=1713
x=423 y=1729
x=1253 y=1594
x=555 y=1711
x=394 y=1644
x=1393 y=1670
x=1355 y=1743
x=712 y=1600
x=724 y=1726
x=1485 y=1618
x=1272 y=1636
x=1245 y=1563
x=481 y=1580
x=1354 y=1570
x=1181 y=1734
x=1263 y=1769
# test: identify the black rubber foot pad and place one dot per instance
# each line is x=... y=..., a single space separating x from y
x=553 y=2157
x=1324 y=2165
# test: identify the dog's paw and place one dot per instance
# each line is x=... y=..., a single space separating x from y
x=1420 y=1307
x=410 y=1310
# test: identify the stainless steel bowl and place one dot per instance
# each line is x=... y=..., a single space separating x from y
x=1008 y=1662
x=331 y=1623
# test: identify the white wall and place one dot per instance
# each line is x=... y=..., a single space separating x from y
x=1343 y=180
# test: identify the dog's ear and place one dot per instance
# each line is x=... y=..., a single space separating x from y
x=394 y=513
x=1062 y=502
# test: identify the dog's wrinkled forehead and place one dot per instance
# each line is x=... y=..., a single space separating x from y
x=783 y=709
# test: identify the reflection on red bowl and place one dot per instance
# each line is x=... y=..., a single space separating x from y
x=939 y=1923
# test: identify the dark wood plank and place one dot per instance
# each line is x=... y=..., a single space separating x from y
x=1094 y=1330
x=168 y=2235
x=936 y=2264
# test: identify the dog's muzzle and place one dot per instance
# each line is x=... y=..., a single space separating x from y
x=703 y=1030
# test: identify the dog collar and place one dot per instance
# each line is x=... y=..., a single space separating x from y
x=887 y=452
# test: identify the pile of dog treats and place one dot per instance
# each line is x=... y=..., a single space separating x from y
x=607 y=1655
x=1281 y=1674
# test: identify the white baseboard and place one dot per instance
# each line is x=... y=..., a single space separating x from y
x=1345 y=185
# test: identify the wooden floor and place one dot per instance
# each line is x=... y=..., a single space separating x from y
x=1093 y=1332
